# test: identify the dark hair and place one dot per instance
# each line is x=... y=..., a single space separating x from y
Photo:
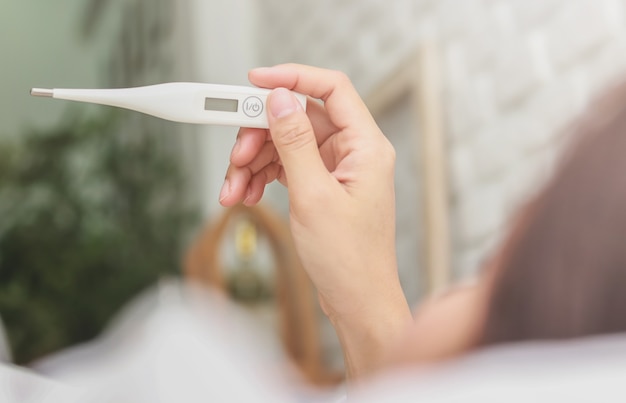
x=562 y=270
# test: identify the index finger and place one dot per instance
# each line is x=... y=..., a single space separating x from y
x=343 y=104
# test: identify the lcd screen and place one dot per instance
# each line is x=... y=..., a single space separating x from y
x=221 y=104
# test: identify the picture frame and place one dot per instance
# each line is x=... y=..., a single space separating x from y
x=417 y=83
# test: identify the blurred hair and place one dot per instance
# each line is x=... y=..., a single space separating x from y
x=562 y=271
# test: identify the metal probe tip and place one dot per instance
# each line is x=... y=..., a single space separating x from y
x=41 y=92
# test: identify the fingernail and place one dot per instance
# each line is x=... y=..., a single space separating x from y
x=261 y=69
x=248 y=196
x=236 y=146
x=225 y=190
x=283 y=103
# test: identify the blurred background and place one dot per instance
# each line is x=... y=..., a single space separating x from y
x=98 y=204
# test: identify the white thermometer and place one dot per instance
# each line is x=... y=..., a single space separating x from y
x=182 y=102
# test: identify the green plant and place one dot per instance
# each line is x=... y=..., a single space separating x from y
x=91 y=213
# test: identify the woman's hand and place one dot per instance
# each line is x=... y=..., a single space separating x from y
x=338 y=168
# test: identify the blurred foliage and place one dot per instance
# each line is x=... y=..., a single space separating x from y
x=89 y=216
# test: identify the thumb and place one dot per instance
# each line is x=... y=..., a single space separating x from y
x=294 y=140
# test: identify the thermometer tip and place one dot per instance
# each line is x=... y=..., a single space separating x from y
x=41 y=92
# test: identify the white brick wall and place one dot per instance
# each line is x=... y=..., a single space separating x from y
x=515 y=71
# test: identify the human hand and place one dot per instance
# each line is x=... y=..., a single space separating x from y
x=338 y=167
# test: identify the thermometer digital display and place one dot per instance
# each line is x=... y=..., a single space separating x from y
x=221 y=104
x=182 y=102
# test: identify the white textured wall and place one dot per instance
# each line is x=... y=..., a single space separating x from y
x=223 y=49
x=515 y=71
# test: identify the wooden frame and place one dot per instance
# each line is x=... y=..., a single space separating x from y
x=419 y=78
x=297 y=311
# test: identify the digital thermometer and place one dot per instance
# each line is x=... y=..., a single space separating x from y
x=182 y=102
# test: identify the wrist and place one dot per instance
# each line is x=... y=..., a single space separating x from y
x=370 y=329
